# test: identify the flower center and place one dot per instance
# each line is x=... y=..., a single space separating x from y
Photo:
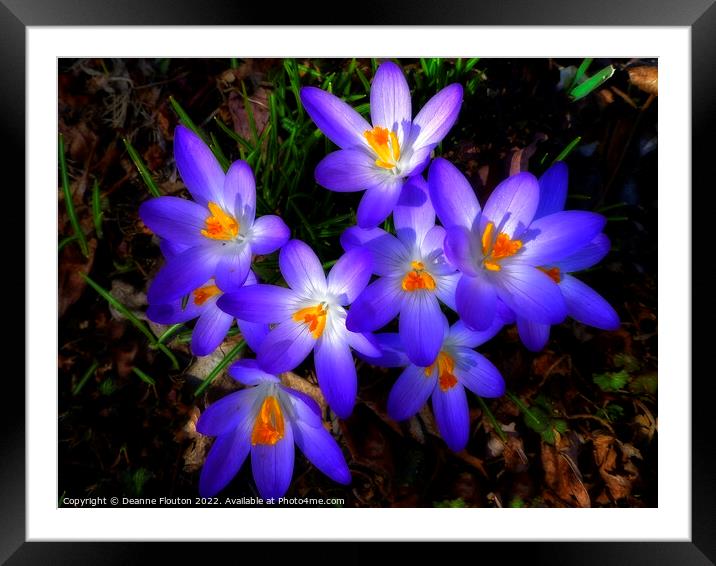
x=417 y=278
x=495 y=249
x=203 y=294
x=445 y=365
x=268 y=426
x=220 y=225
x=386 y=146
x=553 y=273
x=314 y=317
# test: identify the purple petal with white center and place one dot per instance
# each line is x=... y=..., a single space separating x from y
x=460 y=249
x=349 y=170
x=422 y=327
x=198 y=167
x=225 y=458
x=389 y=253
x=253 y=333
x=413 y=215
x=210 y=330
x=175 y=219
x=417 y=161
x=322 y=450
x=233 y=268
x=268 y=234
x=446 y=289
x=239 y=189
x=336 y=372
x=248 y=372
x=305 y=408
x=390 y=104
x=378 y=202
x=376 y=306
x=452 y=416
x=183 y=273
x=435 y=119
x=272 y=465
x=434 y=241
x=350 y=275
x=462 y=335
x=410 y=392
x=512 y=205
x=587 y=306
x=285 y=347
x=259 y=303
x=226 y=414
x=530 y=293
x=363 y=343
x=478 y=374
x=559 y=235
x=302 y=269
x=452 y=195
x=552 y=190
x=534 y=335
x=336 y=119
x=476 y=301
x=587 y=256
x=391 y=353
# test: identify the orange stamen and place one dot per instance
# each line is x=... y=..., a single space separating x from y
x=203 y=294
x=445 y=365
x=268 y=426
x=314 y=317
x=220 y=225
x=417 y=278
x=502 y=247
x=553 y=273
x=386 y=146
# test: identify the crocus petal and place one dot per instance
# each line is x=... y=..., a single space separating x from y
x=422 y=326
x=322 y=450
x=416 y=162
x=336 y=119
x=552 y=190
x=210 y=331
x=363 y=342
x=240 y=189
x=534 y=335
x=390 y=105
x=176 y=219
x=172 y=313
x=378 y=202
x=268 y=234
x=452 y=416
x=336 y=373
x=302 y=269
x=305 y=408
x=459 y=249
x=272 y=465
x=410 y=393
x=171 y=248
x=452 y=195
x=476 y=301
x=530 y=293
x=586 y=305
x=389 y=253
x=233 y=268
x=559 y=235
x=376 y=306
x=433 y=242
x=226 y=414
x=285 y=347
x=586 y=256
x=447 y=289
x=348 y=170
x=259 y=303
x=350 y=275
x=435 y=119
x=391 y=353
x=413 y=215
x=248 y=372
x=512 y=205
x=183 y=273
x=462 y=335
x=253 y=333
x=198 y=167
x=478 y=374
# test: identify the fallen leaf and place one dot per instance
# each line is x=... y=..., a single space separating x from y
x=646 y=78
x=562 y=475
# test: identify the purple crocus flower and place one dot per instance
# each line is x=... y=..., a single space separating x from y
x=212 y=324
x=583 y=303
x=379 y=157
x=265 y=419
x=500 y=248
x=456 y=367
x=310 y=315
x=218 y=229
x=413 y=275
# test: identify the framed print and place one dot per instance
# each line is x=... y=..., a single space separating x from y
x=306 y=285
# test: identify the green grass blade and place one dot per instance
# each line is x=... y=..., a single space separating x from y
x=524 y=408
x=592 y=83
x=232 y=134
x=169 y=332
x=228 y=358
x=567 y=150
x=580 y=72
x=142 y=168
x=97 y=210
x=69 y=205
x=186 y=120
x=85 y=378
x=65 y=241
x=495 y=425
x=144 y=377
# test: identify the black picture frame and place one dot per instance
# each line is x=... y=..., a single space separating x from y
x=699 y=15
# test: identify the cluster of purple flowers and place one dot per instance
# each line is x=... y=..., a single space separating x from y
x=509 y=261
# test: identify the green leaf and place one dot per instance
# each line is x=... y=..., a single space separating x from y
x=144 y=377
x=592 y=83
x=451 y=503
x=228 y=358
x=581 y=72
x=89 y=373
x=96 y=209
x=567 y=150
x=69 y=205
x=611 y=381
x=142 y=168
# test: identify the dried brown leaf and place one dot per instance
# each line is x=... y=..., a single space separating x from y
x=645 y=78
